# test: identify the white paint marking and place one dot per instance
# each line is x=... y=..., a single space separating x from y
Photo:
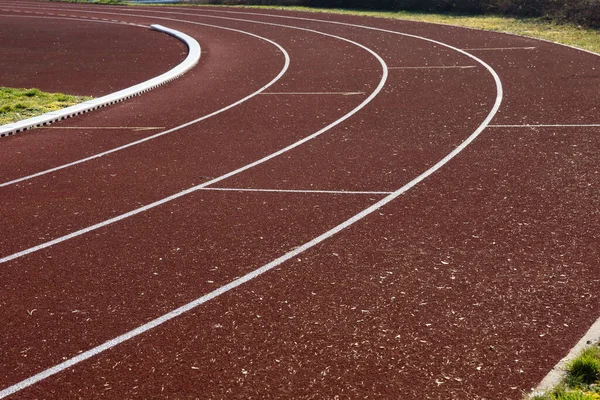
x=116 y=149
x=547 y=126
x=293 y=191
x=135 y=128
x=222 y=177
x=313 y=93
x=188 y=63
x=438 y=67
x=499 y=48
x=595 y=328
x=237 y=282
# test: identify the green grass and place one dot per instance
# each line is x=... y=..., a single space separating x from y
x=18 y=104
x=573 y=35
x=582 y=381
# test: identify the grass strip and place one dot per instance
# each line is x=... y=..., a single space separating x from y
x=18 y=104
x=582 y=381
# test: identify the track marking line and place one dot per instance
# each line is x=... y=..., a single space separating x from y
x=313 y=93
x=498 y=48
x=79 y=19
x=557 y=373
x=292 y=191
x=134 y=128
x=267 y=267
x=157 y=203
x=437 y=67
x=547 y=126
x=134 y=143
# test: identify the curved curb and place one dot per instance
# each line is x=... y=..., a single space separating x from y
x=46 y=119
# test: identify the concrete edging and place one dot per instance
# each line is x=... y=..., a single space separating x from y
x=557 y=373
x=46 y=119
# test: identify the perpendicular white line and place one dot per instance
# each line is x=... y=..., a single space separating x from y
x=313 y=93
x=104 y=127
x=294 y=191
x=229 y=174
x=499 y=48
x=188 y=63
x=438 y=67
x=547 y=126
x=157 y=135
x=557 y=374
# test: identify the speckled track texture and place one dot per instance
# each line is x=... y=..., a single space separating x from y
x=471 y=285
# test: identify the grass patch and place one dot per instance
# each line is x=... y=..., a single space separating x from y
x=18 y=104
x=582 y=381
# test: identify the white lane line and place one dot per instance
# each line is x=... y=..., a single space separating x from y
x=135 y=128
x=267 y=267
x=227 y=175
x=313 y=93
x=438 y=67
x=154 y=323
x=547 y=126
x=498 y=48
x=595 y=328
x=134 y=143
x=79 y=19
x=292 y=191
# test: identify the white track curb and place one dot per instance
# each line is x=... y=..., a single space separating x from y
x=46 y=119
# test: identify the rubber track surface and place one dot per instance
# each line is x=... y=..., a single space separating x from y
x=471 y=285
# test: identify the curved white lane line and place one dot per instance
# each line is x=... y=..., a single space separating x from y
x=227 y=175
x=45 y=119
x=135 y=143
x=267 y=267
x=154 y=323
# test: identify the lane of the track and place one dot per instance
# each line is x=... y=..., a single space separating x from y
x=212 y=158
x=435 y=224
x=40 y=52
x=535 y=217
x=562 y=79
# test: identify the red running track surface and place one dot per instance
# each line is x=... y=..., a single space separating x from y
x=470 y=285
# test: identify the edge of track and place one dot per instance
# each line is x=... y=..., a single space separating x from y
x=188 y=63
x=291 y=254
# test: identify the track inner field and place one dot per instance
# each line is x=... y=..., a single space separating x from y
x=313 y=328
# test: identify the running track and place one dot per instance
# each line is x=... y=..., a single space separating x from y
x=385 y=272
